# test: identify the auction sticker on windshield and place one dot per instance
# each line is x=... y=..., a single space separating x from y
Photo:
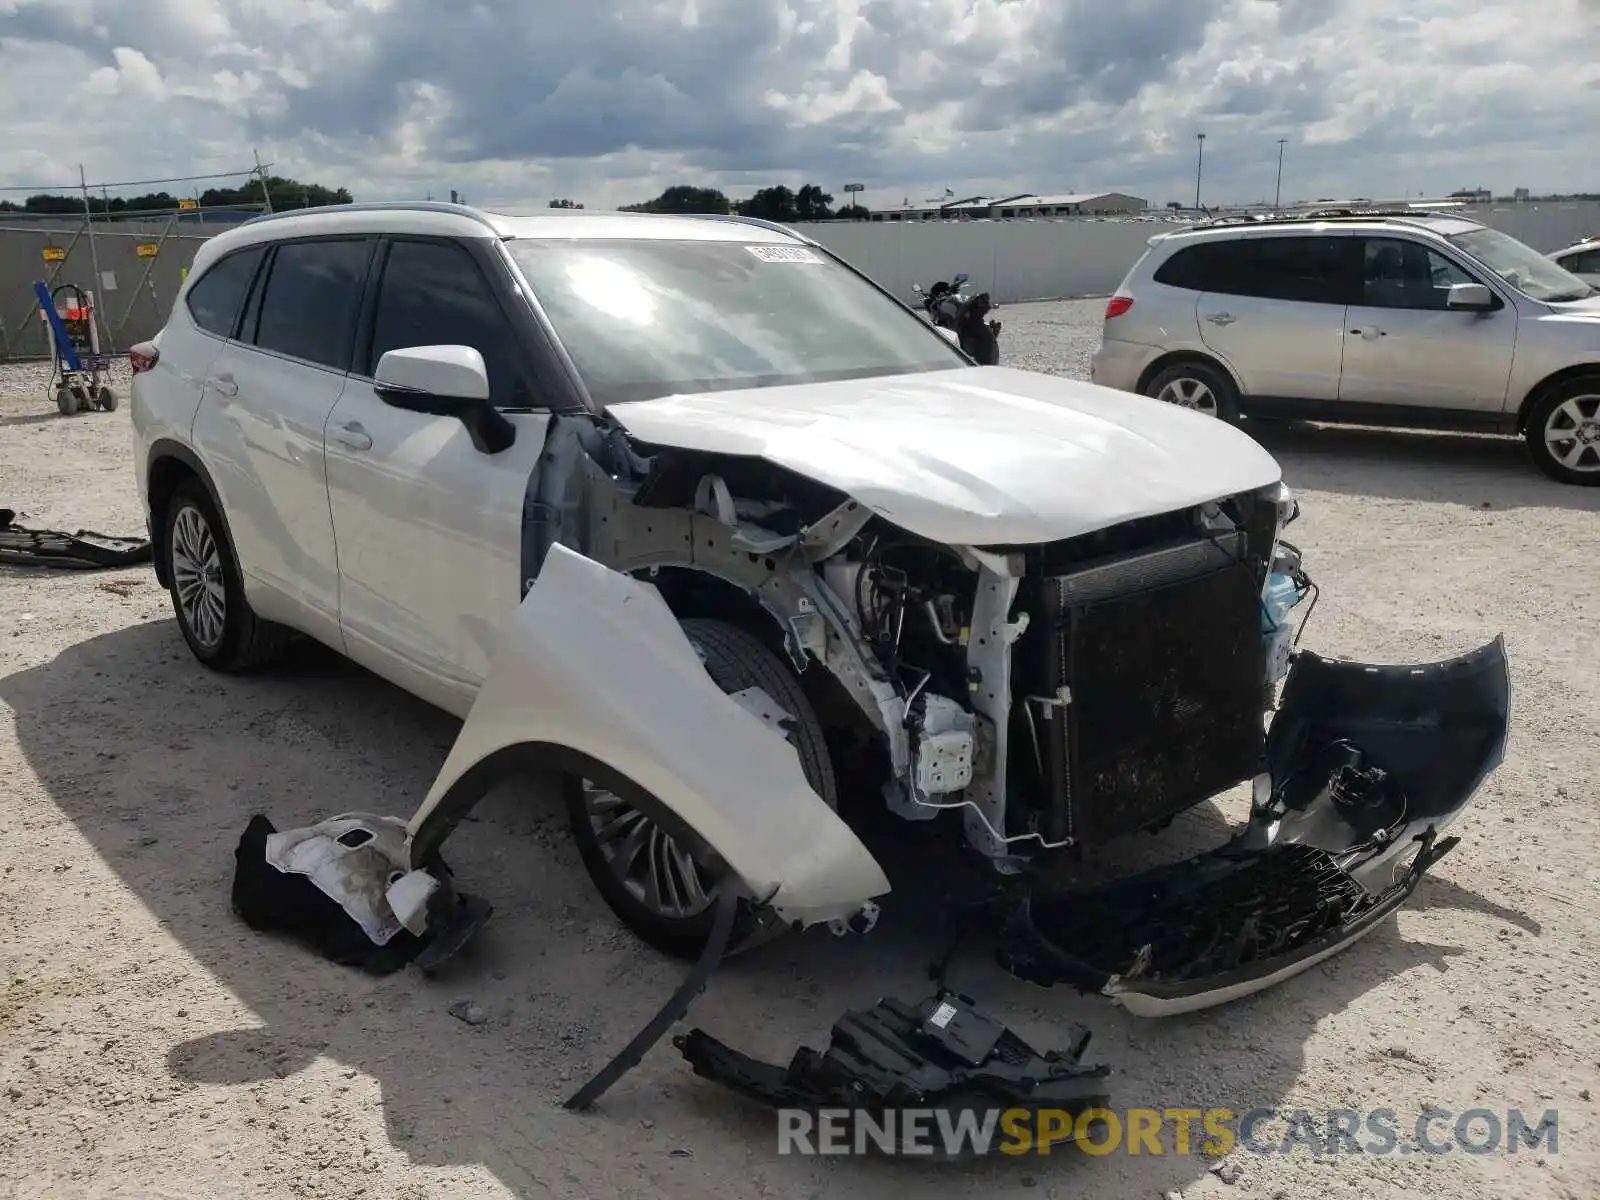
x=784 y=254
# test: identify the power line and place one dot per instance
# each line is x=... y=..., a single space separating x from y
x=75 y=187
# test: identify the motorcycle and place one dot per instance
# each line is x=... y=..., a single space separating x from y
x=949 y=307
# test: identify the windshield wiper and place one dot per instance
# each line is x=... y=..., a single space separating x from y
x=1564 y=297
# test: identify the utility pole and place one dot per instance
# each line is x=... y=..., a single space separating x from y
x=1278 y=199
x=1199 y=167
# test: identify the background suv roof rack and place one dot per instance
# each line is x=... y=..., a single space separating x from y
x=1333 y=212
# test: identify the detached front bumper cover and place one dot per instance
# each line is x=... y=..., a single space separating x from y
x=1367 y=764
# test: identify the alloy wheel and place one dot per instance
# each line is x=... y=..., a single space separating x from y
x=1190 y=393
x=1572 y=433
x=197 y=577
x=658 y=871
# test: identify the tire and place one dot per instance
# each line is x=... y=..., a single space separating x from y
x=106 y=399
x=200 y=562
x=66 y=401
x=1571 y=408
x=735 y=660
x=1196 y=381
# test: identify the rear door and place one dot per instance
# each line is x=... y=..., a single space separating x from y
x=268 y=397
x=1273 y=310
x=429 y=527
x=1404 y=348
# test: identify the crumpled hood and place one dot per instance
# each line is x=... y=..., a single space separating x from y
x=973 y=456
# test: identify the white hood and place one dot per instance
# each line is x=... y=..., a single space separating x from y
x=974 y=456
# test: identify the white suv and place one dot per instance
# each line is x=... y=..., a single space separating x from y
x=1389 y=317
x=694 y=514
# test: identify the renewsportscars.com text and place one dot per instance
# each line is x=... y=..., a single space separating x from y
x=1213 y=1132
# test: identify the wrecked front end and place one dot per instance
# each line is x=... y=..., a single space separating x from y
x=1046 y=697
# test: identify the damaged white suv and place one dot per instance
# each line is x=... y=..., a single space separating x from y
x=762 y=522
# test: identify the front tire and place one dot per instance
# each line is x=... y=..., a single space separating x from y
x=207 y=589
x=1198 y=386
x=1563 y=432
x=653 y=884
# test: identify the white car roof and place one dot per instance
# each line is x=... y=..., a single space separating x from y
x=455 y=220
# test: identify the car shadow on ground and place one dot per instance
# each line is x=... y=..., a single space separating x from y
x=1474 y=470
x=321 y=736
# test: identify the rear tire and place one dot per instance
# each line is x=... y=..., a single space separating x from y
x=1197 y=386
x=207 y=589
x=1563 y=432
x=106 y=399
x=735 y=659
x=66 y=401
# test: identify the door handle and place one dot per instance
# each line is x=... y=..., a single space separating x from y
x=353 y=437
x=1221 y=318
x=223 y=384
x=1369 y=333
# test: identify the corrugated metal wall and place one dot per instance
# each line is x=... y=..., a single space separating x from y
x=1013 y=260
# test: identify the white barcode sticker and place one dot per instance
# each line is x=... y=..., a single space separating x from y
x=784 y=254
x=942 y=1016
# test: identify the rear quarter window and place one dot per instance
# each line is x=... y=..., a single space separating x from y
x=215 y=298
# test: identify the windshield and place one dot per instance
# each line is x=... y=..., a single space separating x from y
x=1520 y=265
x=644 y=318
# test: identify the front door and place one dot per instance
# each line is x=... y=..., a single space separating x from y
x=429 y=528
x=1403 y=347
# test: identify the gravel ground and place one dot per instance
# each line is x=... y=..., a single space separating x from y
x=150 y=1046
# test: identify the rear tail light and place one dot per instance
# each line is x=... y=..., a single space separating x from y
x=142 y=357
x=1118 y=305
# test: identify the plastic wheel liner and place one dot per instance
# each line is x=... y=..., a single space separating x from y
x=81 y=551
x=1366 y=766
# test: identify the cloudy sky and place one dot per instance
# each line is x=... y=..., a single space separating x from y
x=518 y=101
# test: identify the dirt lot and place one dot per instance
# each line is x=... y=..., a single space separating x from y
x=150 y=1046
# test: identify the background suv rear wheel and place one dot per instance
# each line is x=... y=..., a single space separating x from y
x=1563 y=431
x=1198 y=386
x=207 y=590
x=650 y=881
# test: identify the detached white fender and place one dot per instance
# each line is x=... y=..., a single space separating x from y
x=595 y=675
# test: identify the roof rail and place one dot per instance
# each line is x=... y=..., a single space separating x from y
x=438 y=206
x=1342 y=212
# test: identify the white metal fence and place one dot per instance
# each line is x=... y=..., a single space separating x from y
x=135 y=267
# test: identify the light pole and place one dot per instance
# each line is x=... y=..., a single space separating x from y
x=1277 y=201
x=1199 y=166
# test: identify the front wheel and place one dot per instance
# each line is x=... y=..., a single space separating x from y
x=1197 y=386
x=654 y=884
x=1563 y=432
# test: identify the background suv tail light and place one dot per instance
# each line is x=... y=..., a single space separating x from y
x=1118 y=305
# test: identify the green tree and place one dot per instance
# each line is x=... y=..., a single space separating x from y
x=681 y=198
x=772 y=204
x=565 y=204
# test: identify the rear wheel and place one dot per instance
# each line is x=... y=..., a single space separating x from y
x=1563 y=432
x=66 y=401
x=207 y=589
x=651 y=881
x=1198 y=386
x=106 y=399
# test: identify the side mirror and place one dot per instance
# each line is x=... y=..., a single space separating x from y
x=445 y=381
x=1469 y=297
x=950 y=335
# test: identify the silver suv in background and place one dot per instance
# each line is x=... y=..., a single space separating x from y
x=1395 y=318
x=1582 y=258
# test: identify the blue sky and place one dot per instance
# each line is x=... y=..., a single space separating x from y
x=608 y=101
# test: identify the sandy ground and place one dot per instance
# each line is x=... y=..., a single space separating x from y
x=151 y=1046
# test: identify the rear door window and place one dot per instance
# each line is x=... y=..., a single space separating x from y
x=312 y=299
x=434 y=294
x=1312 y=270
x=215 y=298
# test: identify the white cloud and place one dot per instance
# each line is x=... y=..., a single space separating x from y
x=610 y=100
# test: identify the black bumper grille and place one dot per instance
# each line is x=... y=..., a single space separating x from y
x=1165 y=698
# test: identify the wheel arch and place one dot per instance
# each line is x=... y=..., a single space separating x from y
x=1175 y=358
x=1548 y=384
x=557 y=762
x=696 y=591
x=170 y=464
